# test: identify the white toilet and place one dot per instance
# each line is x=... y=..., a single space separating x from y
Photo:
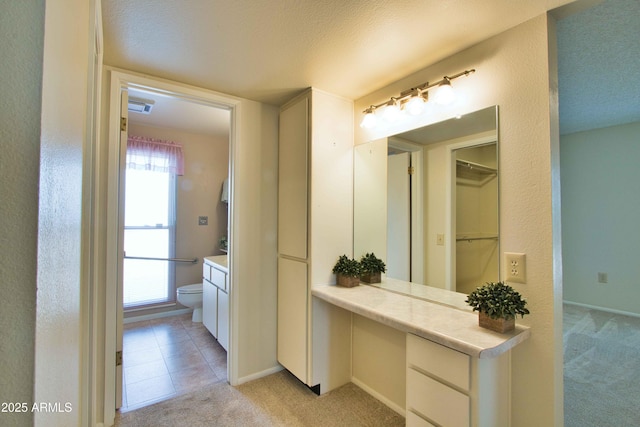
x=191 y=296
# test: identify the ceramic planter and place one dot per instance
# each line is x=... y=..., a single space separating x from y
x=371 y=278
x=497 y=325
x=347 y=281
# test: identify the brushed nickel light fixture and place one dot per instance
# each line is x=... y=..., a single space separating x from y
x=412 y=101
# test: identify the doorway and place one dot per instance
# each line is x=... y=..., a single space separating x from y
x=176 y=163
x=121 y=84
x=476 y=216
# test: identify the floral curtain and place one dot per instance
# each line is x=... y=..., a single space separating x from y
x=154 y=155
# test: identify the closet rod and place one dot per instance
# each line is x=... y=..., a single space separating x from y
x=476 y=166
x=469 y=239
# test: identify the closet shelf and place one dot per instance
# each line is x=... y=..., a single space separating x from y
x=474 y=171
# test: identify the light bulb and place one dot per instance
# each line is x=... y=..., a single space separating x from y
x=369 y=120
x=415 y=105
x=391 y=112
x=445 y=94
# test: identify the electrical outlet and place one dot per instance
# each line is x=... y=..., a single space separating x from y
x=515 y=267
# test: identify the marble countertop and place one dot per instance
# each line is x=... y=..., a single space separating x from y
x=221 y=261
x=452 y=327
x=428 y=293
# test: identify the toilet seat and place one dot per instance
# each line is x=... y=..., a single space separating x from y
x=190 y=289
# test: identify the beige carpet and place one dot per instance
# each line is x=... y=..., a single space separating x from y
x=601 y=368
x=277 y=400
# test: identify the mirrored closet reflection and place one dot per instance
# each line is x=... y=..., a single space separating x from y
x=426 y=201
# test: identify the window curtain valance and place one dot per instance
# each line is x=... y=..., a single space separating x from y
x=154 y=155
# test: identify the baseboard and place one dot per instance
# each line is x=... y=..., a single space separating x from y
x=608 y=310
x=156 y=315
x=260 y=374
x=400 y=410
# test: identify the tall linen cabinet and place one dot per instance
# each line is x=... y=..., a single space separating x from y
x=315 y=226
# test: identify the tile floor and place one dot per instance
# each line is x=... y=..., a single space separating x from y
x=168 y=357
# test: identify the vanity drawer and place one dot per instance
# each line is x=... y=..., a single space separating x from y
x=219 y=278
x=414 y=420
x=441 y=404
x=206 y=271
x=439 y=361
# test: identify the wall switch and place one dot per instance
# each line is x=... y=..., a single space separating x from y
x=515 y=267
x=602 y=278
x=203 y=220
x=440 y=239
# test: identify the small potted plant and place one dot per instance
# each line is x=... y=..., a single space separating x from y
x=347 y=272
x=498 y=304
x=223 y=244
x=372 y=267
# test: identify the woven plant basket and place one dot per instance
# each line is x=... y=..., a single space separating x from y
x=371 y=278
x=347 y=281
x=497 y=325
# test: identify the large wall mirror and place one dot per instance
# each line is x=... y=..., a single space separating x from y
x=426 y=201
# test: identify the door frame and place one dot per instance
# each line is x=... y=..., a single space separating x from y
x=123 y=80
x=416 y=154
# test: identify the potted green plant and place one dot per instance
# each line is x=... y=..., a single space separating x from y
x=347 y=272
x=372 y=267
x=223 y=244
x=498 y=305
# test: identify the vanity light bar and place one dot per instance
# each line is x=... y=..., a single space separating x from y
x=419 y=93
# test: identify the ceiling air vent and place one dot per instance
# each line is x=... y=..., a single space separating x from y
x=138 y=105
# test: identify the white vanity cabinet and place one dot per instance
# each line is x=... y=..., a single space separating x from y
x=209 y=303
x=314 y=210
x=450 y=388
x=215 y=298
x=457 y=373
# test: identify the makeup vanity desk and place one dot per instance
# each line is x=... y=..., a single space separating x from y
x=457 y=374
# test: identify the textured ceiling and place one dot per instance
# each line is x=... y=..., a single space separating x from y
x=269 y=50
x=599 y=66
x=175 y=113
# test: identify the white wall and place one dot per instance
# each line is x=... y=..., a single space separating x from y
x=22 y=34
x=437 y=158
x=370 y=199
x=58 y=356
x=600 y=211
x=515 y=70
x=254 y=250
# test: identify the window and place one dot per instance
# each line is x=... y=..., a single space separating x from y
x=149 y=232
x=150 y=219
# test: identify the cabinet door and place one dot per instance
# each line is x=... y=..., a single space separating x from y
x=293 y=180
x=292 y=317
x=210 y=307
x=223 y=319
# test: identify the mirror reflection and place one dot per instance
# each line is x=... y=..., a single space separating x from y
x=426 y=202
